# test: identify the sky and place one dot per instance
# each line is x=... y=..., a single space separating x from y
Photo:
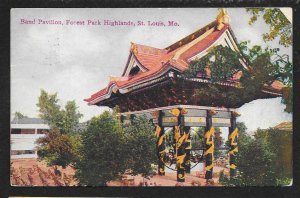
x=76 y=60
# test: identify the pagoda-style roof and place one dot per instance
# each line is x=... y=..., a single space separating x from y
x=147 y=65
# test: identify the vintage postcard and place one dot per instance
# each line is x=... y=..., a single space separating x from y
x=151 y=97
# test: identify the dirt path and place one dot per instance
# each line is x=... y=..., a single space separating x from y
x=30 y=172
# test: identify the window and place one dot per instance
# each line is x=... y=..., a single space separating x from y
x=21 y=152
x=15 y=131
x=27 y=131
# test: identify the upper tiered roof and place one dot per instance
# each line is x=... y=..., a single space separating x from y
x=147 y=63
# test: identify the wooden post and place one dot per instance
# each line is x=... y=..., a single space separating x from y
x=233 y=135
x=180 y=149
x=209 y=145
x=188 y=147
x=160 y=145
x=180 y=139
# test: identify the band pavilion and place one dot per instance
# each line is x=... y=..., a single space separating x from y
x=151 y=85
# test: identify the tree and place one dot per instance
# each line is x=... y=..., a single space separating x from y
x=265 y=66
x=198 y=138
x=221 y=61
x=57 y=149
x=279 y=25
x=60 y=145
x=70 y=117
x=218 y=141
x=19 y=115
x=50 y=110
x=262 y=160
x=280 y=142
x=169 y=138
x=109 y=149
x=66 y=120
x=103 y=155
x=287 y=98
x=141 y=144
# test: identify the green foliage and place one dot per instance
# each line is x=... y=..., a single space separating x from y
x=243 y=137
x=141 y=145
x=222 y=177
x=287 y=98
x=169 y=139
x=50 y=109
x=19 y=115
x=266 y=66
x=284 y=182
x=280 y=142
x=218 y=141
x=255 y=165
x=57 y=149
x=198 y=138
x=222 y=62
x=60 y=145
x=264 y=160
x=102 y=155
x=109 y=149
x=70 y=117
x=66 y=120
x=279 y=25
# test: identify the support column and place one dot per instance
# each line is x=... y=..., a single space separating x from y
x=160 y=145
x=180 y=139
x=188 y=147
x=233 y=137
x=209 y=145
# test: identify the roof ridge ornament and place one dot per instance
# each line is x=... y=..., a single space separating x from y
x=133 y=48
x=113 y=78
x=222 y=18
x=117 y=78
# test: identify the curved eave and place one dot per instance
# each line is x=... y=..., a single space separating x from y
x=267 y=90
x=272 y=91
x=129 y=87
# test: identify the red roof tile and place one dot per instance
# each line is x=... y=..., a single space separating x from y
x=156 y=60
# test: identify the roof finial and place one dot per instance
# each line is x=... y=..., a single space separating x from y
x=222 y=18
x=133 y=48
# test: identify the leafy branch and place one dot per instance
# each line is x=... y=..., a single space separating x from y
x=279 y=25
x=221 y=63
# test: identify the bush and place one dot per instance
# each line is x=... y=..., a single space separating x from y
x=102 y=155
x=264 y=160
x=57 y=149
x=108 y=150
x=141 y=146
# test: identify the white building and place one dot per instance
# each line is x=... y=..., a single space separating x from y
x=24 y=133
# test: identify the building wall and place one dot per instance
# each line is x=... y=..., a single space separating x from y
x=22 y=144
x=23 y=138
